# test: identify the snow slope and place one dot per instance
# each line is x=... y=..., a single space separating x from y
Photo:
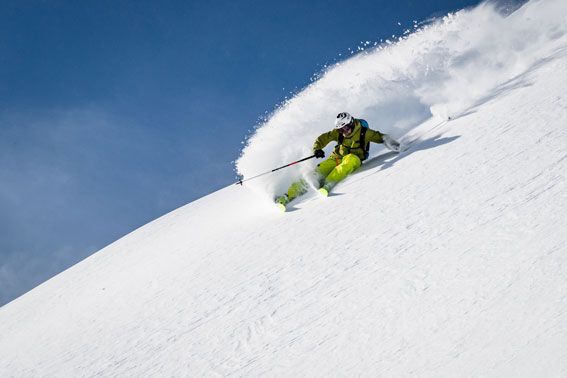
x=442 y=69
x=447 y=260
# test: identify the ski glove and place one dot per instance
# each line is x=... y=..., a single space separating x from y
x=391 y=143
x=319 y=154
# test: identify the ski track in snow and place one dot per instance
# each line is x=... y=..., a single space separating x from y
x=446 y=260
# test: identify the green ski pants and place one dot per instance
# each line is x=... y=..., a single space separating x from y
x=333 y=170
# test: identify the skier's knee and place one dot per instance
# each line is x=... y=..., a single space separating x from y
x=352 y=160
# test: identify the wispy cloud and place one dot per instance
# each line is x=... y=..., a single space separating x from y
x=66 y=190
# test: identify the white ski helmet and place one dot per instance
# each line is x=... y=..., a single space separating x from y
x=343 y=119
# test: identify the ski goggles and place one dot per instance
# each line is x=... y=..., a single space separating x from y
x=345 y=129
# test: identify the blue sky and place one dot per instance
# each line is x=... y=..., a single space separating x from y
x=113 y=113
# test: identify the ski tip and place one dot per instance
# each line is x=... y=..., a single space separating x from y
x=280 y=206
x=323 y=192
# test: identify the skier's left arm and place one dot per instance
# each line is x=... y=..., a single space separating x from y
x=378 y=137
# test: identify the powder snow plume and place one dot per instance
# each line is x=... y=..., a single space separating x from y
x=441 y=70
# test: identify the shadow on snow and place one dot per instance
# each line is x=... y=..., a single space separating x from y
x=388 y=159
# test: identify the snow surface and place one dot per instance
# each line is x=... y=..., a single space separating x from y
x=444 y=69
x=447 y=260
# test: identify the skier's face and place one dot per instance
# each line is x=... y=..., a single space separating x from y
x=346 y=130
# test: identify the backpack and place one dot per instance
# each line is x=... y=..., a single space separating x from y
x=365 y=146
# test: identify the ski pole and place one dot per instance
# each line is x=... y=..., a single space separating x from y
x=275 y=169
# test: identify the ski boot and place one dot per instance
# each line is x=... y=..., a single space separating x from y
x=325 y=189
x=282 y=201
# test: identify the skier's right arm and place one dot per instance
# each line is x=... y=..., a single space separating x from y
x=325 y=139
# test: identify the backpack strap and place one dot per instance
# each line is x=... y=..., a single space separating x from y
x=365 y=146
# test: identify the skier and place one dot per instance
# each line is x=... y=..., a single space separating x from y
x=353 y=137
